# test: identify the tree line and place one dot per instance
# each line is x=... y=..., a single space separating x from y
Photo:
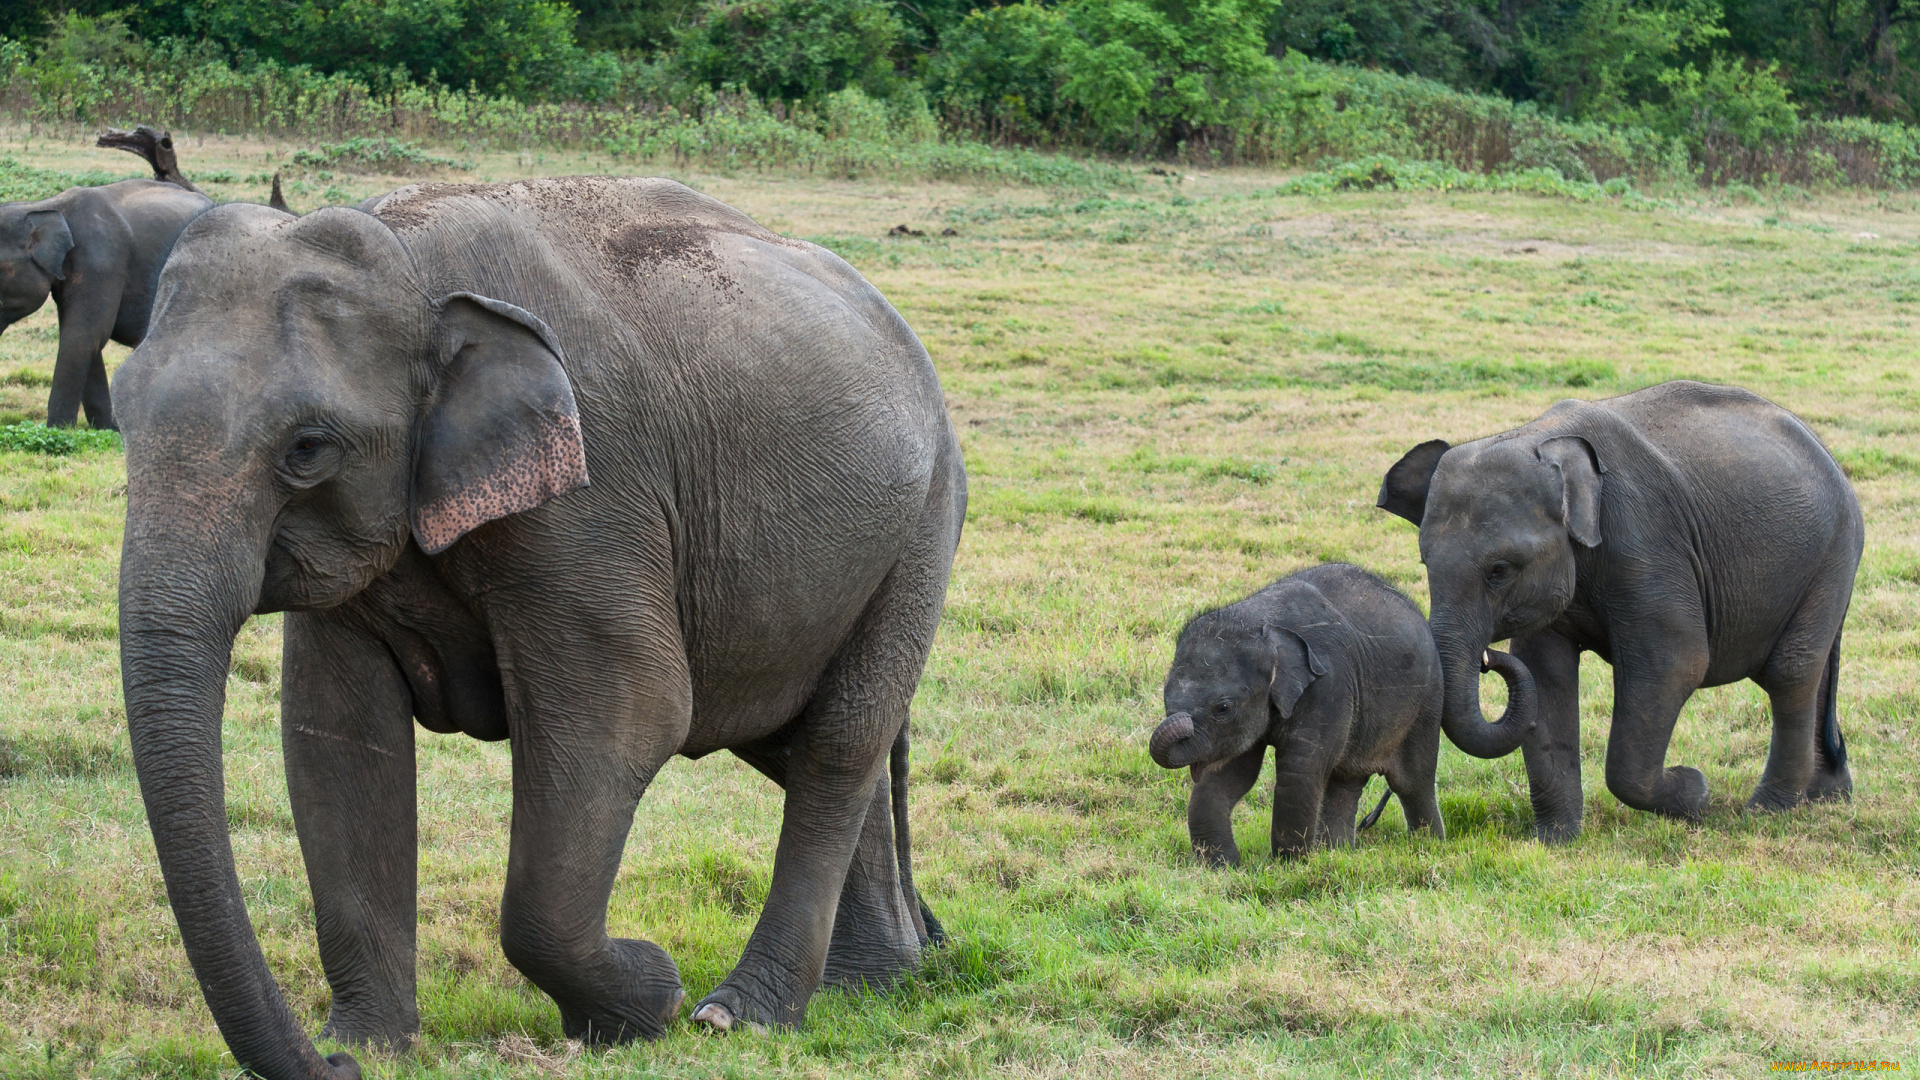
x=1148 y=76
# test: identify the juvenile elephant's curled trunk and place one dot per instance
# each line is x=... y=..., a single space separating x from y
x=1461 y=718
x=178 y=619
x=1173 y=742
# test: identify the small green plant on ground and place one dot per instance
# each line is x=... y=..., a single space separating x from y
x=382 y=154
x=30 y=438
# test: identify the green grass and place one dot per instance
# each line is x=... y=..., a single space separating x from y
x=1167 y=397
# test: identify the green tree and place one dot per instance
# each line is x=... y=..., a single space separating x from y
x=794 y=50
x=1124 y=74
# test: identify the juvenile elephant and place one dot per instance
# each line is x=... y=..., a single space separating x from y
x=383 y=422
x=1691 y=535
x=98 y=252
x=1333 y=669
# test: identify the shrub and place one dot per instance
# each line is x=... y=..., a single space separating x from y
x=795 y=50
x=520 y=47
x=32 y=438
x=1128 y=75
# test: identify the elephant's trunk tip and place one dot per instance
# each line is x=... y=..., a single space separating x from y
x=1167 y=739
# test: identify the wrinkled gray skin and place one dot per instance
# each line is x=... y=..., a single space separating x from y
x=384 y=424
x=1690 y=535
x=98 y=252
x=1334 y=670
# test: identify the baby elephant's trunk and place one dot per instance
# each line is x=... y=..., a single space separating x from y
x=1172 y=746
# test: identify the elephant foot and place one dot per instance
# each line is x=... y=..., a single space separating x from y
x=1770 y=798
x=874 y=941
x=1556 y=830
x=1685 y=794
x=343 y=1065
x=1214 y=857
x=1557 y=821
x=637 y=999
x=393 y=1037
x=719 y=1018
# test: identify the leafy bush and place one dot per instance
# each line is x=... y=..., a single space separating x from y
x=795 y=50
x=520 y=47
x=1129 y=75
x=31 y=438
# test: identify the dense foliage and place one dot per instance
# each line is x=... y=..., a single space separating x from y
x=1588 y=88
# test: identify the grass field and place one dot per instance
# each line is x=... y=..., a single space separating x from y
x=1167 y=398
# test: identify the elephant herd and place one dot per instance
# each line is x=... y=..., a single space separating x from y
x=601 y=467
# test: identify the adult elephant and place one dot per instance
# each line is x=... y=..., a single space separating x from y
x=1690 y=535
x=383 y=422
x=97 y=251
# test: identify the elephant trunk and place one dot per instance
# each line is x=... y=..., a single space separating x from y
x=1173 y=745
x=180 y=608
x=1463 y=662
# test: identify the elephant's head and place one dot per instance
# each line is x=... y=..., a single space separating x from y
x=1228 y=681
x=299 y=411
x=1499 y=521
x=34 y=243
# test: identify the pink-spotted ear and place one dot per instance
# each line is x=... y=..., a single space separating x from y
x=502 y=433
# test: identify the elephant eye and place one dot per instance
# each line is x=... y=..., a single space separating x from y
x=311 y=458
x=1222 y=709
x=1498 y=572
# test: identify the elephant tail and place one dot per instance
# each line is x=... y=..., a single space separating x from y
x=1368 y=821
x=931 y=932
x=1833 y=745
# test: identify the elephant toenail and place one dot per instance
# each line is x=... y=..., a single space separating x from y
x=714 y=1015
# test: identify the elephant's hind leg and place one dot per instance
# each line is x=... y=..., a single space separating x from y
x=1807 y=758
x=875 y=937
x=836 y=779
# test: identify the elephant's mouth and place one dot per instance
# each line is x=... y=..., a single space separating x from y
x=1174 y=745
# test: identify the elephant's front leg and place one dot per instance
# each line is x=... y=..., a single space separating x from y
x=1299 y=790
x=346 y=730
x=1552 y=748
x=79 y=371
x=1337 y=809
x=1217 y=789
x=1650 y=687
x=595 y=711
x=1411 y=778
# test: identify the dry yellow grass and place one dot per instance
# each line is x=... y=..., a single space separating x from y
x=1167 y=397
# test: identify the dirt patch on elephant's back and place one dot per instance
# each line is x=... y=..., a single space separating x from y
x=411 y=209
x=644 y=247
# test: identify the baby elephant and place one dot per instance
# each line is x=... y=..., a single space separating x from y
x=1337 y=672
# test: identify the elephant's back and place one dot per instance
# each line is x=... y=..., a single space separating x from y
x=658 y=291
x=1363 y=614
x=1753 y=458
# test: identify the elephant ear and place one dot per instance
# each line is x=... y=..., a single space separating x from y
x=1580 y=471
x=502 y=433
x=1295 y=666
x=48 y=242
x=1404 y=491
